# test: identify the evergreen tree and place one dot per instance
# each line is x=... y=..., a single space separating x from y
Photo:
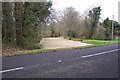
x=34 y=14
x=94 y=16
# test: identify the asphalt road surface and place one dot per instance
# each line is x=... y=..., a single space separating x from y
x=97 y=62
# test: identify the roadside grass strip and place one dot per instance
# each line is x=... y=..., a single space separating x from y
x=94 y=43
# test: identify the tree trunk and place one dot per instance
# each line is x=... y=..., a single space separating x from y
x=18 y=23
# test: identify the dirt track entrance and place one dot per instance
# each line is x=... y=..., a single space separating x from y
x=60 y=42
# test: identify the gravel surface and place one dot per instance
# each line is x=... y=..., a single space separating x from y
x=60 y=42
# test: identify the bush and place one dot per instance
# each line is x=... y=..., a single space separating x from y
x=38 y=46
x=28 y=43
x=6 y=43
x=99 y=33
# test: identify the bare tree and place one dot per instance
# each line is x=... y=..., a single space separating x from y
x=70 y=22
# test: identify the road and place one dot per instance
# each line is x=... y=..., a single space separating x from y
x=97 y=62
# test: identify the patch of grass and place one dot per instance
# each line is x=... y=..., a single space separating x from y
x=100 y=42
x=96 y=42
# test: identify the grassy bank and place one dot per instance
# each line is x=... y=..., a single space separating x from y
x=40 y=51
x=29 y=52
x=97 y=42
x=94 y=43
x=101 y=42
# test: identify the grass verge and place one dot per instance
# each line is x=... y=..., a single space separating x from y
x=97 y=42
x=100 y=42
x=38 y=51
x=94 y=43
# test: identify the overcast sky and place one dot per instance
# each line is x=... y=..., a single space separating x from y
x=109 y=7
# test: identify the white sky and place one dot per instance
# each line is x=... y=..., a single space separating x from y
x=109 y=7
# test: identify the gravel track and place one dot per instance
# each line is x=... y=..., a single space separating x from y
x=60 y=42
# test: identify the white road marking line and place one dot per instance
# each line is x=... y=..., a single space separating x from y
x=99 y=53
x=15 y=69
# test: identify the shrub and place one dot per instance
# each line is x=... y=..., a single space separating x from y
x=38 y=46
x=29 y=43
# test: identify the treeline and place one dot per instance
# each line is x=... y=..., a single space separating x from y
x=21 y=22
x=89 y=26
x=24 y=24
